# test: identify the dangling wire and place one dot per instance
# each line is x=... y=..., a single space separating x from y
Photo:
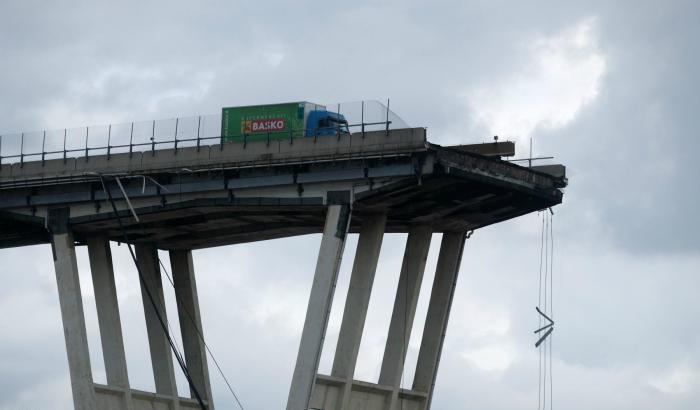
x=160 y=318
x=546 y=274
x=166 y=326
x=201 y=337
x=539 y=326
x=545 y=312
x=551 y=302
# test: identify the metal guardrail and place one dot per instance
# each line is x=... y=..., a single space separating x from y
x=148 y=136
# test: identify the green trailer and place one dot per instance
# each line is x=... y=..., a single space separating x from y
x=279 y=121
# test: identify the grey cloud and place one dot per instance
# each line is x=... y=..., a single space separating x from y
x=626 y=243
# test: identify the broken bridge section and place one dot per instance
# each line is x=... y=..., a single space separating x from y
x=191 y=198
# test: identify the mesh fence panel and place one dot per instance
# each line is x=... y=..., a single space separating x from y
x=162 y=134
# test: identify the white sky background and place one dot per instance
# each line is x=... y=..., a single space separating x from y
x=609 y=89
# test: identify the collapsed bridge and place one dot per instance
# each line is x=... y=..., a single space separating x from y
x=183 y=199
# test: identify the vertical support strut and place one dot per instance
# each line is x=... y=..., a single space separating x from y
x=72 y=315
x=412 y=269
x=108 y=315
x=191 y=323
x=355 y=312
x=438 y=313
x=161 y=356
x=318 y=310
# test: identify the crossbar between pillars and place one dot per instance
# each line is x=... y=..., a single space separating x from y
x=318 y=310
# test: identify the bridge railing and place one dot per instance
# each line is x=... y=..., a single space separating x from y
x=142 y=136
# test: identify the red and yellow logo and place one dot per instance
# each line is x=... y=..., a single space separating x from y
x=266 y=125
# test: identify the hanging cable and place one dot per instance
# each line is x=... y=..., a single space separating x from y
x=545 y=311
x=546 y=274
x=551 y=302
x=163 y=325
x=144 y=178
x=539 y=318
x=201 y=337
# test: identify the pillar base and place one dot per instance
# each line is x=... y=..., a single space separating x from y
x=114 y=398
x=329 y=390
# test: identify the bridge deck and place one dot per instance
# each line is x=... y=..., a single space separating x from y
x=232 y=193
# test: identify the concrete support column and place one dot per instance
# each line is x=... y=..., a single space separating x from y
x=357 y=302
x=412 y=269
x=108 y=314
x=318 y=310
x=72 y=314
x=191 y=323
x=161 y=355
x=108 y=311
x=438 y=312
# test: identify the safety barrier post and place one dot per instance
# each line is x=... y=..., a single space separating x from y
x=387 y=118
x=199 y=125
x=363 y=119
x=109 y=140
x=131 y=140
x=176 y=124
x=153 y=139
x=43 y=150
x=21 y=152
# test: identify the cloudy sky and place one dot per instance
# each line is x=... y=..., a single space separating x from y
x=609 y=88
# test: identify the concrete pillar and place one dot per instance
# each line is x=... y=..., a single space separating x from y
x=108 y=315
x=438 y=312
x=161 y=355
x=191 y=323
x=318 y=310
x=72 y=314
x=415 y=256
x=357 y=302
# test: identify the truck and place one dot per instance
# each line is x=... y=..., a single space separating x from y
x=280 y=121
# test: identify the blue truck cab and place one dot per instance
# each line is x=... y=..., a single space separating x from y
x=321 y=123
